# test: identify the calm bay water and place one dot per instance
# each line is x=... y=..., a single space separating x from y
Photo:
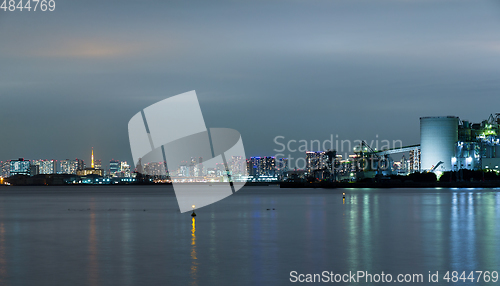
x=136 y=235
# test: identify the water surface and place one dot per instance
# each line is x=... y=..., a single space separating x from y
x=109 y=235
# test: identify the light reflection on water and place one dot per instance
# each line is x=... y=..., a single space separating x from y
x=194 y=263
x=136 y=236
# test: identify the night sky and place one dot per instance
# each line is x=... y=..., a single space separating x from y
x=72 y=79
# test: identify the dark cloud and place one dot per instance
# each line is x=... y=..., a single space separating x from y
x=71 y=79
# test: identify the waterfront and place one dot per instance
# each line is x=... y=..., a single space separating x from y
x=136 y=235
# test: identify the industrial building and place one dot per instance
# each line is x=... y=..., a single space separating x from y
x=447 y=143
x=438 y=138
x=450 y=144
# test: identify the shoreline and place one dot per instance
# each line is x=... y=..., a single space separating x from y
x=393 y=185
x=305 y=185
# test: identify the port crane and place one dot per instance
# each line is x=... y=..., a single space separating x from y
x=364 y=151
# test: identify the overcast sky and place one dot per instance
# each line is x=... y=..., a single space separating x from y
x=72 y=79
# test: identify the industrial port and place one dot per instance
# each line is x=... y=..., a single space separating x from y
x=449 y=148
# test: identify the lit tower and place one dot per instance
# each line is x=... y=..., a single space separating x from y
x=92 y=159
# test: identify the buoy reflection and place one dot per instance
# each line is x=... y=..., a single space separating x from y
x=194 y=264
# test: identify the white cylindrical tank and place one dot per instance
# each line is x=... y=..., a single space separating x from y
x=438 y=139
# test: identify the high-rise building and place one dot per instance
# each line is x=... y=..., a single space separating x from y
x=65 y=167
x=253 y=166
x=193 y=167
x=183 y=171
x=114 y=168
x=154 y=169
x=34 y=170
x=315 y=161
x=5 y=169
x=97 y=164
x=220 y=169
x=70 y=166
x=79 y=164
x=45 y=166
x=239 y=169
x=262 y=168
x=268 y=166
x=19 y=167
x=282 y=168
x=125 y=169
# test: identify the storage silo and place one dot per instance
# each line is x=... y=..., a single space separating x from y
x=438 y=140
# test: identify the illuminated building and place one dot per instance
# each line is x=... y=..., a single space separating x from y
x=253 y=166
x=450 y=144
x=193 y=170
x=125 y=169
x=65 y=167
x=79 y=164
x=45 y=167
x=19 y=167
x=402 y=168
x=438 y=138
x=156 y=172
x=220 y=169
x=238 y=166
x=320 y=164
x=282 y=168
x=92 y=170
x=97 y=164
x=478 y=145
x=314 y=161
x=5 y=169
x=415 y=160
x=211 y=172
x=262 y=169
x=154 y=169
x=70 y=166
x=183 y=171
x=114 y=168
